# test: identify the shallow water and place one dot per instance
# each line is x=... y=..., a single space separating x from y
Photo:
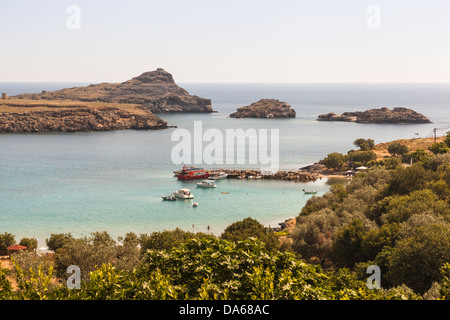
x=113 y=181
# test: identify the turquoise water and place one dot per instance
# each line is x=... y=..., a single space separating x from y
x=113 y=181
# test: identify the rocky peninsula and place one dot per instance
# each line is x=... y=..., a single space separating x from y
x=265 y=108
x=398 y=115
x=21 y=115
x=154 y=90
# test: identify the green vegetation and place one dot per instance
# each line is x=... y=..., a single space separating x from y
x=394 y=216
x=364 y=144
x=6 y=240
x=334 y=161
x=397 y=149
x=439 y=147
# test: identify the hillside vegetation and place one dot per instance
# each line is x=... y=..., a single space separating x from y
x=394 y=215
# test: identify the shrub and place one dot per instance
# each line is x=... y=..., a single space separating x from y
x=361 y=157
x=405 y=180
x=397 y=149
x=377 y=239
x=250 y=228
x=58 y=240
x=419 y=156
x=416 y=260
x=401 y=208
x=334 y=161
x=312 y=236
x=6 y=240
x=166 y=239
x=364 y=144
x=30 y=243
x=439 y=148
x=346 y=247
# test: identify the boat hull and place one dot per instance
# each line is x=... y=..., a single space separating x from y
x=183 y=197
x=192 y=177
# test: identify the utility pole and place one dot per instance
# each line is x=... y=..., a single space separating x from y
x=434 y=131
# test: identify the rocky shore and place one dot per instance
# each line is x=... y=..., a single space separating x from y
x=292 y=175
x=265 y=108
x=383 y=115
x=67 y=116
x=154 y=90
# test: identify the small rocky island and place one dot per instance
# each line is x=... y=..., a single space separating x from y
x=398 y=115
x=265 y=108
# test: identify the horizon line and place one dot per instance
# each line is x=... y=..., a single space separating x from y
x=218 y=82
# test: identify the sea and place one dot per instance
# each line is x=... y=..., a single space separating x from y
x=113 y=181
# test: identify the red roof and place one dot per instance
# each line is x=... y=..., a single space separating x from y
x=16 y=247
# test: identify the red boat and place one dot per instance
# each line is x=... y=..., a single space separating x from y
x=191 y=173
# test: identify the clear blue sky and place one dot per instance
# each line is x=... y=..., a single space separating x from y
x=226 y=41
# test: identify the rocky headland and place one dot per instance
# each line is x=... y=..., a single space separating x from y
x=154 y=90
x=265 y=108
x=20 y=115
x=398 y=115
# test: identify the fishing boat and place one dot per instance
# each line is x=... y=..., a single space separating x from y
x=219 y=176
x=183 y=194
x=206 y=184
x=169 y=198
x=309 y=191
x=191 y=173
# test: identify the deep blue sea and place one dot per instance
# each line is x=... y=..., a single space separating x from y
x=113 y=181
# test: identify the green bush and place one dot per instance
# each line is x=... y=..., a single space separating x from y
x=58 y=240
x=439 y=148
x=334 y=161
x=346 y=248
x=250 y=228
x=416 y=260
x=6 y=240
x=397 y=149
x=30 y=243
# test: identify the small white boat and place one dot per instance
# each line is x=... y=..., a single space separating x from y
x=195 y=204
x=183 y=194
x=309 y=191
x=219 y=176
x=206 y=184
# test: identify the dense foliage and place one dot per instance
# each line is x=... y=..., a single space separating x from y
x=397 y=218
x=394 y=216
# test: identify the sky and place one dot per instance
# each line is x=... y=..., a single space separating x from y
x=236 y=41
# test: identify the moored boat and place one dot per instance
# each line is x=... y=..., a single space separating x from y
x=169 y=198
x=309 y=191
x=219 y=176
x=183 y=194
x=191 y=173
x=206 y=184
